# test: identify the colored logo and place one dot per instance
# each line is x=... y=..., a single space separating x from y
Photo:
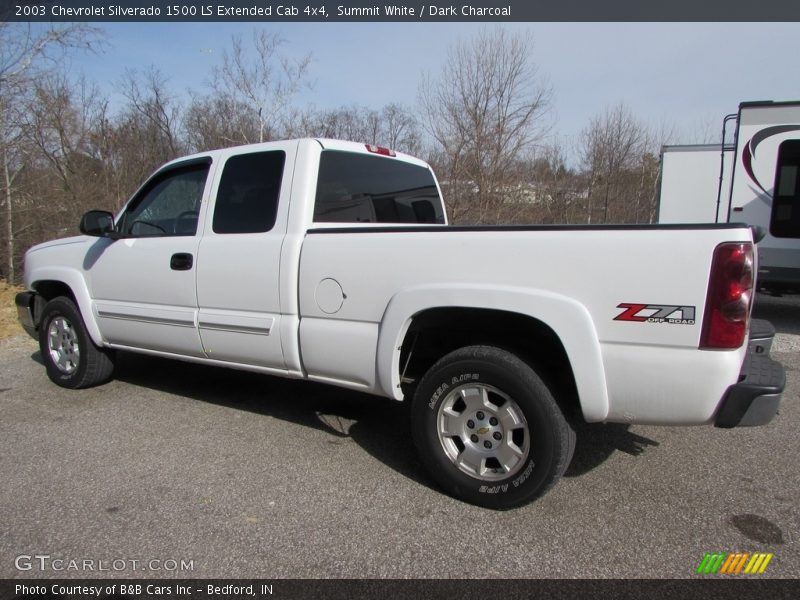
x=656 y=313
x=749 y=151
x=734 y=563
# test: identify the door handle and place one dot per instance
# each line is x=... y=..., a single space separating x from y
x=182 y=261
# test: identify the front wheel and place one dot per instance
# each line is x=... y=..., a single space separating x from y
x=70 y=357
x=488 y=429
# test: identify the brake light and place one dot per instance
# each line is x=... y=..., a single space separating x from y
x=730 y=292
x=380 y=150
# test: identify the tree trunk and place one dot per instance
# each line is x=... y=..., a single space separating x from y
x=10 y=273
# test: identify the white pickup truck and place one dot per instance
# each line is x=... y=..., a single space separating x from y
x=333 y=261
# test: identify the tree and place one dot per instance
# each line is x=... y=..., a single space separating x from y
x=219 y=121
x=555 y=185
x=144 y=134
x=401 y=129
x=65 y=172
x=262 y=85
x=59 y=121
x=154 y=112
x=618 y=157
x=485 y=112
x=25 y=53
x=393 y=126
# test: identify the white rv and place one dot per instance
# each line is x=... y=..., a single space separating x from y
x=752 y=180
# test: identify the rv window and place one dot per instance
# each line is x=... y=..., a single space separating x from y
x=785 y=221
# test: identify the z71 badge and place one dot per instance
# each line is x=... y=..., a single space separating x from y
x=656 y=313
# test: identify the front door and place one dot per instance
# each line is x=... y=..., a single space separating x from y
x=144 y=284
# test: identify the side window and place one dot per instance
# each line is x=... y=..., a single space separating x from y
x=785 y=220
x=247 y=200
x=168 y=205
x=358 y=188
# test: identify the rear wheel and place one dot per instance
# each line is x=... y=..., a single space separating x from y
x=488 y=429
x=70 y=357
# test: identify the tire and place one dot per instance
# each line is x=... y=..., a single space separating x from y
x=488 y=429
x=69 y=354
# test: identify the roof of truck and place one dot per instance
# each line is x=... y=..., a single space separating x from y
x=325 y=144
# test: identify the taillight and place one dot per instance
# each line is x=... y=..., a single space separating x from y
x=730 y=290
x=380 y=150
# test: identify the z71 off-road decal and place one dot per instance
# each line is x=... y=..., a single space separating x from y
x=656 y=313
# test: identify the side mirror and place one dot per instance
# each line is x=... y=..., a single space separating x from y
x=97 y=223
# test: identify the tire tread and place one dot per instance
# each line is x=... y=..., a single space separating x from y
x=99 y=366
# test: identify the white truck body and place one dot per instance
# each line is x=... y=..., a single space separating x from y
x=574 y=291
x=619 y=312
x=754 y=180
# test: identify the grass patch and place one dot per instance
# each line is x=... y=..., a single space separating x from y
x=9 y=326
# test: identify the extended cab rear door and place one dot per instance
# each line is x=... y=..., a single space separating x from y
x=238 y=267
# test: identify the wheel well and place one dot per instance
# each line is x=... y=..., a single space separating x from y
x=47 y=290
x=439 y=331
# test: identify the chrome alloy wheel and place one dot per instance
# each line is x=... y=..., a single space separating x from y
x=483 y=432
x=63 y=343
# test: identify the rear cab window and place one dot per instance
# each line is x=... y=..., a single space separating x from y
x=359 y=188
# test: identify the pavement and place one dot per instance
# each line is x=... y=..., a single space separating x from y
x=180 y=470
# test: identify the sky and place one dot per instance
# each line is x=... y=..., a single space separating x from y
x=680 y=76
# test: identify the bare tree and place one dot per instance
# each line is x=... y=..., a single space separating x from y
x=400 y=129
x=485 y=112
x=219 y=121
x=556 y=186
x=609 y=145
x=59 y=121
x=65 y=169
x=614 y=152
x=145 y=133
x=263 y=80
x=704 y=131
x=24 y=54
x=157 y=111
x=393 y=126
x=354 y=123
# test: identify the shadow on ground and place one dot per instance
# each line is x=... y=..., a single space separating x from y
x=783 y=311
x=378 y=425
x=597 y=442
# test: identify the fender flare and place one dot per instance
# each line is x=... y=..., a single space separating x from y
x=569 y=319
x=75 y=281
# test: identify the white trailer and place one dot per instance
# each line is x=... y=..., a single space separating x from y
x=753 y=180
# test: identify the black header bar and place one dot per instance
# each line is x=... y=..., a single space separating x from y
x=282 y=11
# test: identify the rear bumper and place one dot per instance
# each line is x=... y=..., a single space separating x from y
x=755 y=399
x=25 y=302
